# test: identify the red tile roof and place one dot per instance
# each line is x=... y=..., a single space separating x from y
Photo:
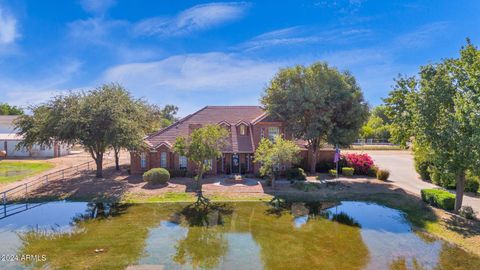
x=212 y=115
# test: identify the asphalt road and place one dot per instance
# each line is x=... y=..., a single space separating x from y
x=403 y=174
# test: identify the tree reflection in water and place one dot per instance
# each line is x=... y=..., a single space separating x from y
x=205 y=243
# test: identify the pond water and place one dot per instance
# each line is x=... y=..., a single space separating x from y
x=247 y=235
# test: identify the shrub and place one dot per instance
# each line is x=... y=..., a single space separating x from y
x=422 y=169
x=471 y=185
x=372 y=172
x=178 y=173
x=305 y=186
x=156 y=176
x=383 y=175
x=324 y=166
x=361 y=163
x=296 y=174
x=443 y=179
x=468 y=212
x=333 y=172
x=347 y=171
x=439 y=198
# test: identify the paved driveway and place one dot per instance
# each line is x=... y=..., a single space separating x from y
x=403 y=174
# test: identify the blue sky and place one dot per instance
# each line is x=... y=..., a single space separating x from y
x=193 y=53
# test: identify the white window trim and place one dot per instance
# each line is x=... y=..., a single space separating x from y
x=143 y=161
x=243 y=129
x=162 y=155
x=180 y=162
x=270 y=137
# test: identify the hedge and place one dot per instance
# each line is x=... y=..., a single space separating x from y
x=439 y=198
x=156 y=176
x=296 y=174
x=383 y=175
x=347 y=171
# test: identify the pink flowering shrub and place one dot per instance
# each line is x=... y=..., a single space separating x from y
x=361 y=163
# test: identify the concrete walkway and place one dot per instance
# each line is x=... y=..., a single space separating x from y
x=403 y=174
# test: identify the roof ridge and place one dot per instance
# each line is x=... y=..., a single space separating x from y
x=174 y=124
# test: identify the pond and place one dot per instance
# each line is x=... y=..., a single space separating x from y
x=243 y=235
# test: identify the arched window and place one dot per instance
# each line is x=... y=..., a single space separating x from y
x=243 y=129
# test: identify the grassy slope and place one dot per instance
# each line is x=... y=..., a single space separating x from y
x=21 y=169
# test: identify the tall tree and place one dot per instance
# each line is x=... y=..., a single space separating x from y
x=272 y=155
x=441 y=111
x=448 y=115
x=6 y=109
x=97 y=119
x=400 y=109
x=202 y=145
x=318 y=104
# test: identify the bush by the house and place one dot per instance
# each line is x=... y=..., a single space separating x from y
x=324 y=166
x=439 y=198
x=468 y=212
x=296 y=174
x=441 y=178
x=178 y=173
x=156 y=176
x=372 y=172
x=383 y=175
x=361 y=163
x=333 y=172
x=347 y=171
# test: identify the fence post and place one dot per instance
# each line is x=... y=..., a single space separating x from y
x=26 y=191
x=46 y=179
x=63 y=174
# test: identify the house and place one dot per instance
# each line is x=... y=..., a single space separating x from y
x=247 y=125
x=9 y=140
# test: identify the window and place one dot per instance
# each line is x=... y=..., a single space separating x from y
x=272 y=132
x=143 y=161
x=182 y=160
x=208 y=164
x=163 y=159
x=42 y=147
x=262 y=133
x=243 y=129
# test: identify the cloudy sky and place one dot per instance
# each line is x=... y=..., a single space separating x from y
x=194 y=54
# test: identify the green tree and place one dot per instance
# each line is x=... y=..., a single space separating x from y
x=318 y=104
x=6 y=109
x=203 y=144
x=98 y=119
x=441 y=112
x=159 y=117
x=448 y=118
x=400 y=109
x=273 y=155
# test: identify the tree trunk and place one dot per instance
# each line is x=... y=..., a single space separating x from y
x=117 y=158
x=313 y=162
x=273 y=180
x=459 y=191
x=199 y=177
x=99 y=162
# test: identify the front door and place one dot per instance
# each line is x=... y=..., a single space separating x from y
x=235 y=163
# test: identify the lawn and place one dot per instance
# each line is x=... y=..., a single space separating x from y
x=11 y=171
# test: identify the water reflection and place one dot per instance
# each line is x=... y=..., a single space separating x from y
x=279 y=235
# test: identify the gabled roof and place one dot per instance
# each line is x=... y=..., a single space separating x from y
x=228 y=115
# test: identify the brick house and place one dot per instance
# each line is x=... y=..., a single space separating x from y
x=247 y=125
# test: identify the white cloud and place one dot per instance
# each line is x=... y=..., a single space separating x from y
x=197 y=18
x=301 y=35
x=195 y=80
x=34 y=91
x=97 y=6
x=195 y=72
x=8 y=28
x=95 y=30
x=423 y=36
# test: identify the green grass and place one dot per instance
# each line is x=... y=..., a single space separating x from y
x=12 y=171
x=376 y=147
x=190 y=197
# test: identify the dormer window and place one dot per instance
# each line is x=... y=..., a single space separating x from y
x=243 y=129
